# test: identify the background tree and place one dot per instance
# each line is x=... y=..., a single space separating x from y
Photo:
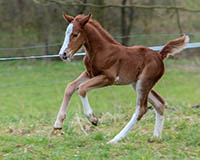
x=143 y=22
x=126 y=22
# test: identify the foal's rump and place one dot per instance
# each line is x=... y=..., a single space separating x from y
x=143 y=62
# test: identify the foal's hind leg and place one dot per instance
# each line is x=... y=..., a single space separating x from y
x=159 y=105
x=142 y=89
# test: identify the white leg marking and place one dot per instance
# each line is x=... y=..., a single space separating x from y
x=133 y=120
x=68 y=32
x=158 y=125
x=127 y=128
x=86 y=106
x=159 y=118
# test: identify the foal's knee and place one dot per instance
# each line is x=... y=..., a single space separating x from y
x=160 y=109
x=157 y=101
x=82 y=91
x=69 y=90
x=143 y=111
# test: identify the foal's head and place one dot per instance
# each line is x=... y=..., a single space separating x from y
x=74 y=35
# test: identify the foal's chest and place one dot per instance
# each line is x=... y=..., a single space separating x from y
x=91 y=68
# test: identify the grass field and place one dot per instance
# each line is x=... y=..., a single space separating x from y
x=31 y=93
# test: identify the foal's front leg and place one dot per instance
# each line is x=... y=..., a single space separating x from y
x=96 y=82
x=88 y=110
x=71 y=88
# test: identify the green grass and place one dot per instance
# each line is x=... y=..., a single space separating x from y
x=31 y=93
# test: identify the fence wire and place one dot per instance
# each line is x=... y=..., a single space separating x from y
x=115 y=36
x=156 y=48
x=33 y=83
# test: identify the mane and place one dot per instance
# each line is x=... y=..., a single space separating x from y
x=100 y=29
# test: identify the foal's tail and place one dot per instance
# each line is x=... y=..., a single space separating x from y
x=174 y=46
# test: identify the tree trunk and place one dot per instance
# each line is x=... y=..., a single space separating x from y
x=46 y=28
x=20 y=11
x=178 y=19
x=126 y=27
x=47 y=42
x=123 y=23
x=98 y=13
x=82 y=8
x=148 y=17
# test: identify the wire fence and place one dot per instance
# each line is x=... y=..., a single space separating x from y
x=35 y=51
x=156 y=48
x=57 y=45
x=38 y=57
x=115 y=36
x=30 y=47
x=44 y=82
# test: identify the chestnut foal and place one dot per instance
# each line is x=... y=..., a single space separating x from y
x=109 y=63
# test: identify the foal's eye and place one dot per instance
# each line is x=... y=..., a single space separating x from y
x=75 y=35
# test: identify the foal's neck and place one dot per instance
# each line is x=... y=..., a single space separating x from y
x=97 y=39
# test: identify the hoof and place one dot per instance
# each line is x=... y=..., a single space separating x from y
x=112 y=142
x=95 y=121
x=56 y=131
x=154 y=140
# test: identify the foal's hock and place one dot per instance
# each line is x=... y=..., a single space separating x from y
x=109 y=63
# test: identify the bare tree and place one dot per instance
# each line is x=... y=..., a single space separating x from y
x=178 y=18
x=147 y=17
x=126 y=22
x=82 y=8
x=98 y=13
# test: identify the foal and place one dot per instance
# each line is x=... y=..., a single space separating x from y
x=109 y=63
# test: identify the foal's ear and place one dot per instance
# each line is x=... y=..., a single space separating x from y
x=85 y=19
x=68 y=18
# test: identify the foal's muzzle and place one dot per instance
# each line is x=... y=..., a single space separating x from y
x=64 y=56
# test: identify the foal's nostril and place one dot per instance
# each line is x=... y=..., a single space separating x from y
x=64 y=56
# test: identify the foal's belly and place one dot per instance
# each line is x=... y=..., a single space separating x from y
x=119 y=81
x=128 y=73
x=123 y=79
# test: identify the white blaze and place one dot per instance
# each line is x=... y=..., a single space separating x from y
x=67 y=38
